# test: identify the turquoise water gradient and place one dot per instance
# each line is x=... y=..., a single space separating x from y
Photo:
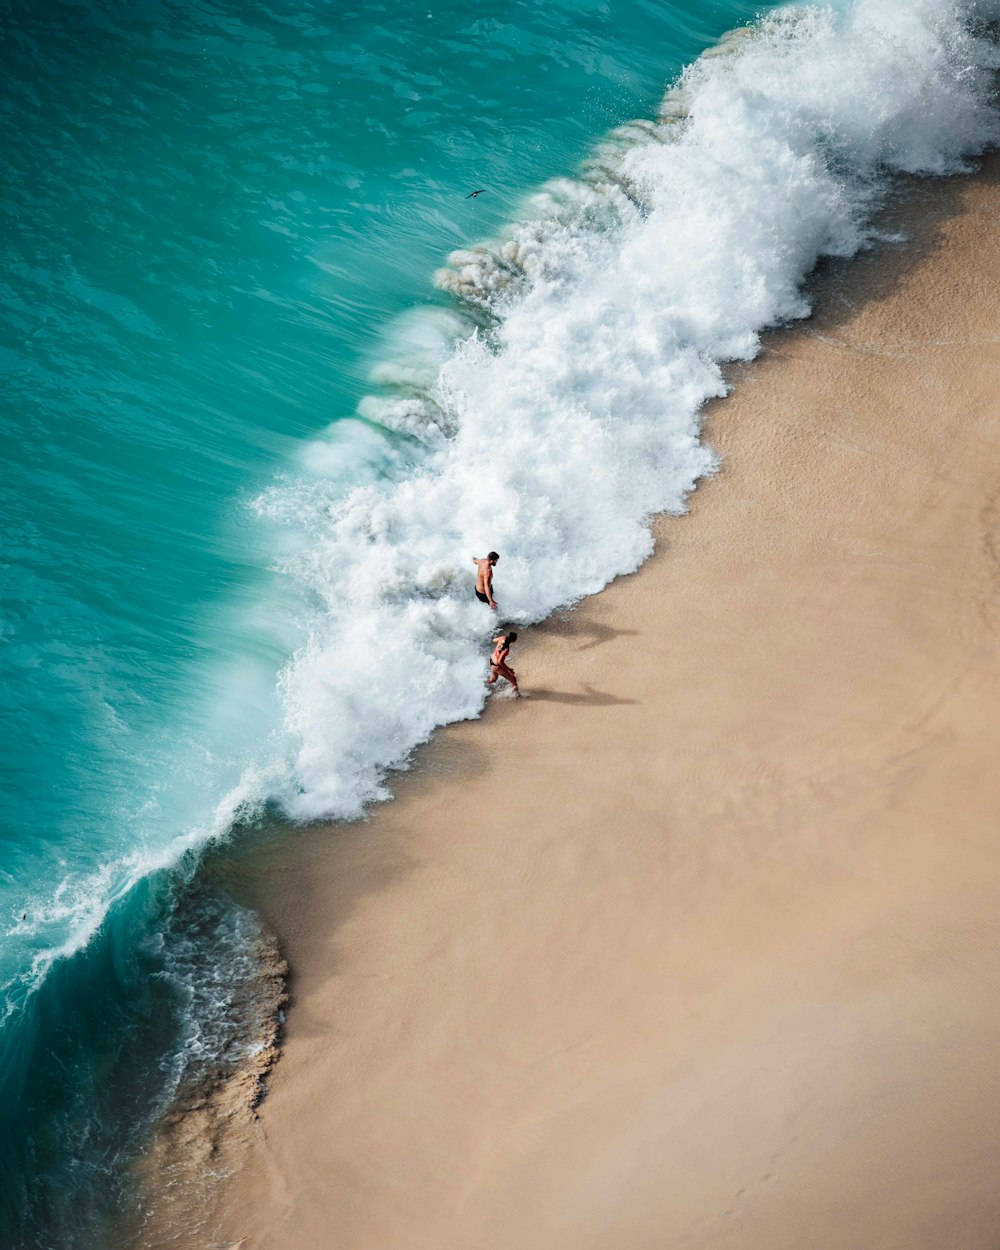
x=211 y=214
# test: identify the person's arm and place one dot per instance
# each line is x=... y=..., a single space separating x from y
x=488 y=583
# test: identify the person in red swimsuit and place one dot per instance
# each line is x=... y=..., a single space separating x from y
x=498 y=661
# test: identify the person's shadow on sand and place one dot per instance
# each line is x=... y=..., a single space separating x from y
x=589 y=698
x=594 y=633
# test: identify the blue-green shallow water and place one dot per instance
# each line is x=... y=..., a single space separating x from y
x=210 y=214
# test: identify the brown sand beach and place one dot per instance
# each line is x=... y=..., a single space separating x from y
x=698 y=944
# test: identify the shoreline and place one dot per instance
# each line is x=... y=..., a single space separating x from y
x=677 y=948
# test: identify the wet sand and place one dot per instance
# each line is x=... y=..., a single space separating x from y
x=699 y=944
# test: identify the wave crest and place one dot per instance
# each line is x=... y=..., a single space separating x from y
x=563 y=411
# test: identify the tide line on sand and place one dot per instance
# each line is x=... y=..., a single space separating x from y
x=698 y=945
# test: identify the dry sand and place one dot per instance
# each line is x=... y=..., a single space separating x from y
x=699 y=945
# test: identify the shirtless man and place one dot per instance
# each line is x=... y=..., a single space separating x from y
x=484 y=578
x=498 y=661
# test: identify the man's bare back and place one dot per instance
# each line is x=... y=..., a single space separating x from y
x=484 y=578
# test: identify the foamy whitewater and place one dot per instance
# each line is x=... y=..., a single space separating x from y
x=544 y=401
x=558 y=409
x=548 y=409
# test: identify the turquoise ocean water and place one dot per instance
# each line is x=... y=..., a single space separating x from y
x=212 y=216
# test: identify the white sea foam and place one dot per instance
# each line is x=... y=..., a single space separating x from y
x=555 y=407
x=563 y=412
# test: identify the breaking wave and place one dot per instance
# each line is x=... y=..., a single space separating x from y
x=553 y=406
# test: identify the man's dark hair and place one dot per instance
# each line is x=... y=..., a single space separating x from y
x=512 y=637
x=494 y=555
